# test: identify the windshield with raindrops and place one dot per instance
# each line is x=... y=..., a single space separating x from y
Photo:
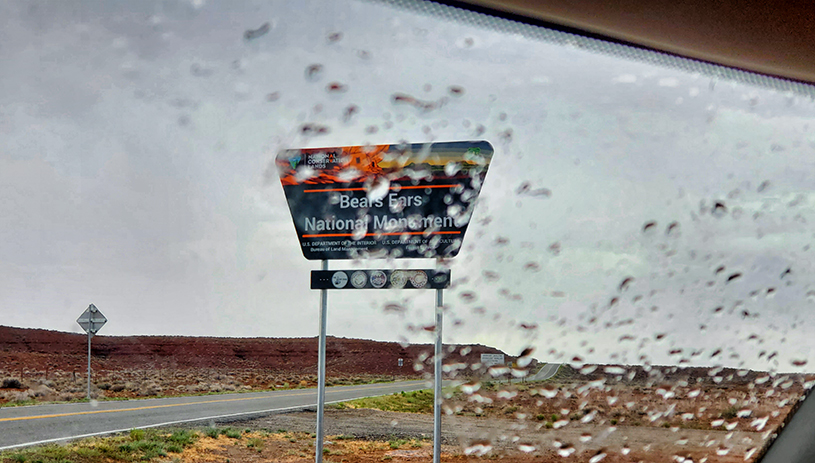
x=635 y=276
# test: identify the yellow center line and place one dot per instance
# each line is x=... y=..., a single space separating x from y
x=57 y=415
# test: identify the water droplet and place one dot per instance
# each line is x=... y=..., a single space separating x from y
x=349 y=112
x=626 y=283
x=314 y=72
x=649 y=226
x=314 y=129
x=470 y=388
x=252 y=34
x=377 y=188
x=526 y=448
x=478 y=449
x=532 y=266
x=334 y=36
x=359 y=233
x=455 y=90
x=304 y=173
x=336 y=87
x=198 y=71
x=394 y=308
x=566 y=450
x=625 y=450
x=585 y=437
x=722 y=451
x=274 y=96
x=719 y=209
x=468 y=296
x=589 y=417
x=496 y=371
x=597 y=457
x=733 y=276
x=759 y=423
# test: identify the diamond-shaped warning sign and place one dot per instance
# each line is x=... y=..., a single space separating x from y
x=92 y=320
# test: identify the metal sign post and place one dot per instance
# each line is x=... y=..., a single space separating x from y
x=321 y=371
x=91 y=320
x=437 y=397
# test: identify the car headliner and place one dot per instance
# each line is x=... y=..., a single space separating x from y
x=769 y=38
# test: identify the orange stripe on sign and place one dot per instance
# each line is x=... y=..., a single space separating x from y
x=327 y=235
x=410 y=187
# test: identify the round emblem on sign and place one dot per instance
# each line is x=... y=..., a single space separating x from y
x=339 y=279
x=419 y=279
x=358 y=279
x=378 y=279
x=398 y=279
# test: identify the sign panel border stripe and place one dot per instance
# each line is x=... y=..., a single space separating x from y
x=409 y=187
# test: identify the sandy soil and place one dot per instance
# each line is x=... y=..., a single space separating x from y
x=472 y=438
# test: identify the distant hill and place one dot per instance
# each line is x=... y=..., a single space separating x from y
x=36 y=350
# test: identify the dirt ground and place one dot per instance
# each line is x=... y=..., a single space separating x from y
x=364 y=435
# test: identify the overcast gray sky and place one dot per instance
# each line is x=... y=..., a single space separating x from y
x=136 y=139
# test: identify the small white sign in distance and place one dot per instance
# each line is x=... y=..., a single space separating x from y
x=92 y=320
x=489 y=360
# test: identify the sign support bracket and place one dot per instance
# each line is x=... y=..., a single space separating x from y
x=321 y=372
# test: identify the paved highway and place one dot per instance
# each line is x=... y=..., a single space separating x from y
x=39 y=424
x=548 y=370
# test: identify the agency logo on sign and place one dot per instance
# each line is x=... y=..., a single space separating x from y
x=397 y=201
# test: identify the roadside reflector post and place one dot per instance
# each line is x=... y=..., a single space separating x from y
x=321 y=371
x=437 y=397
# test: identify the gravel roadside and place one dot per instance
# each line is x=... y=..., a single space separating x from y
x=509 y=435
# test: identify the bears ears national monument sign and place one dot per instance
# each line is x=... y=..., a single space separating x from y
x=383 y=201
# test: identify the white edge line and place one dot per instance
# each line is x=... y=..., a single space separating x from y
x=169 y=423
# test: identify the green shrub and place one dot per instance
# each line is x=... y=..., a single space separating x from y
x=137 y=434
x=232 y=433
x=183 y=437
x=11 y=383
x=730 y=413
x=396 y=443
